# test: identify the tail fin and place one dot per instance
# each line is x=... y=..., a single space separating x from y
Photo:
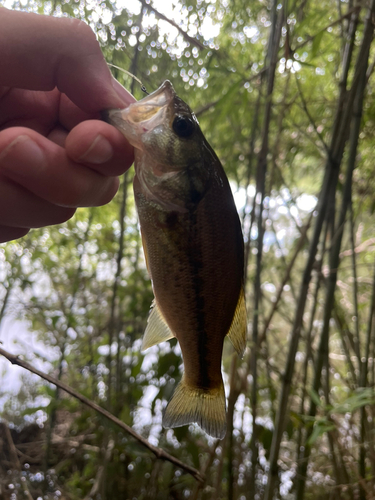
x=203 y=406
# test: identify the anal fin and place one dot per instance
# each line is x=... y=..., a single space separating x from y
x=238 y=328
x=157 y=329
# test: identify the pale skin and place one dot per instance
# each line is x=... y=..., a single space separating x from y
x=55 y=153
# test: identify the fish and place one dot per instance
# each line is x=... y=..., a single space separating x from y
x=194 y=250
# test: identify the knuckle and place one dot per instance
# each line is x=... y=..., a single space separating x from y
x=83 y=33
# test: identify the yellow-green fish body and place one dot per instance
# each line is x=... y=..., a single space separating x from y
x=194 y=250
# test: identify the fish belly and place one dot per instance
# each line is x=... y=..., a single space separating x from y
x=195 y=260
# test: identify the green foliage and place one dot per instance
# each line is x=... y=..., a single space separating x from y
x=88 y=315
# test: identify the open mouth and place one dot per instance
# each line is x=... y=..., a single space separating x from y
x=144 y=115
x=152 y=108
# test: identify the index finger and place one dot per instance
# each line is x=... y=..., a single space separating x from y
x=41 y=53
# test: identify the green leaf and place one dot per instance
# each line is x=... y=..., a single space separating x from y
x=320 y=428
x=361 y=397
x=316 y=44
x=315 y=397
x=31 y=411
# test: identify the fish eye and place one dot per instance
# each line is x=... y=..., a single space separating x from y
x=183 y=126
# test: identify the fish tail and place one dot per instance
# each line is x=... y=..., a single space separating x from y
x=206 y=407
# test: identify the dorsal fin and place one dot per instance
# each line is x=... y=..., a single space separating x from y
x=157 y=329
x=238 y=328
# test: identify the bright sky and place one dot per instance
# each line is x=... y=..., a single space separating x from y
x=304 y=202
x=170 y=8
x=171 y=11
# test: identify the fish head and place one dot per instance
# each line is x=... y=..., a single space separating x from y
x=169 y=147
x=163 y=126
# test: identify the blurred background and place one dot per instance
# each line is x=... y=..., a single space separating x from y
x=283 y=92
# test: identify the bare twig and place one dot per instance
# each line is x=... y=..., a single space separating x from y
x=309 y=341
x=346 y=337
x=158 y=452
x=271 y=58
x=288 y=271
x=233 y=396
x=355 y=284
x=309 y=39
x=205 y=468
x=227 y=444
x=158 y=14
x=100 y=472
x=15 y=461
x=364 y=383
x=311 y=119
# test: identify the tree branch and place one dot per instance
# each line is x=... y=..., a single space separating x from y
x=161 y=16
x=309 y=39
x=158 y=452
x=15 y=461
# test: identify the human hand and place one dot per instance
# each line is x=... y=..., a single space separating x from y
x=55 y=154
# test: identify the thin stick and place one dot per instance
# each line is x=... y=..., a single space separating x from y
x=15 y=460
x=275 y=304
x=158 y=14
x=158 y=452
x=205 y=468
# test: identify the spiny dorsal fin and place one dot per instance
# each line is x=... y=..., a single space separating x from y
x=206 y=407
x=238 y=328
x=157 y=329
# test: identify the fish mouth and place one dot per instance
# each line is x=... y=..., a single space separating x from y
x=147 y=109
x=142 y=116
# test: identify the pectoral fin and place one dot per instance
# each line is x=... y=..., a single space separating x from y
x=157 y=329
x=238 y=328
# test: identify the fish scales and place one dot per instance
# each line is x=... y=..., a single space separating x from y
x=196 y=276
x=193 y=245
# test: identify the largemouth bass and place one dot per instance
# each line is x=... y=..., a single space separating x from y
x=193 y=247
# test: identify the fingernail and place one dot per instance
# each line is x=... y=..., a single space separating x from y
x=20 y=154
x=100 y=151
x=125 y=96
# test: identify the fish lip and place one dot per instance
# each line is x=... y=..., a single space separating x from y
x=144 y=112
x=144 y=115
x=165 y=91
